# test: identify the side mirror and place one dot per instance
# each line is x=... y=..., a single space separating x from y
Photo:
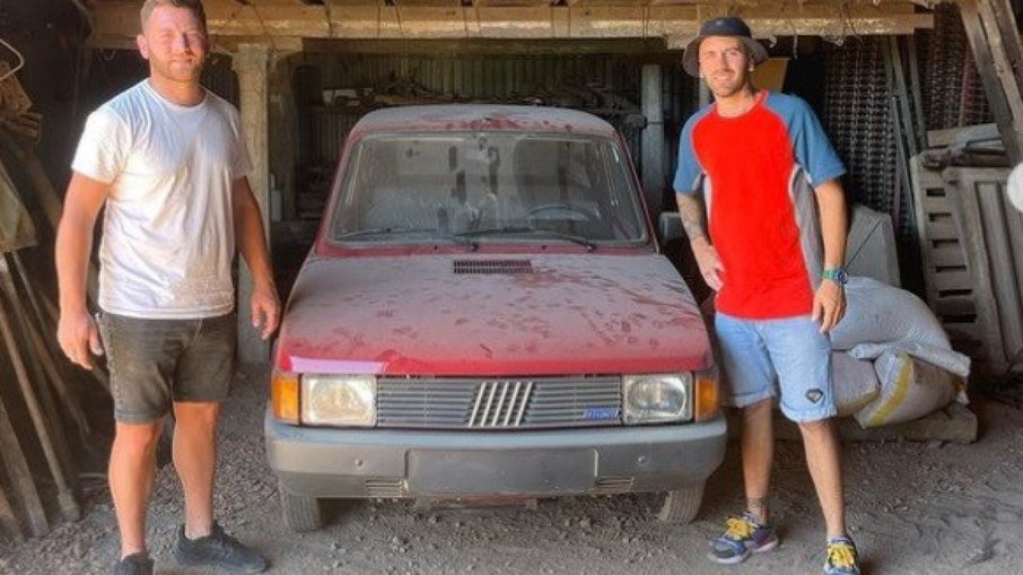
x=670 y=226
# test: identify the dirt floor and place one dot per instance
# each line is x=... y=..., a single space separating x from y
x=914 y=508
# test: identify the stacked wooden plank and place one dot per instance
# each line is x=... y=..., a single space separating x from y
x=991 y=231
x=25 y=331
x=42 y=419
x=947 y=277
x=971 y=241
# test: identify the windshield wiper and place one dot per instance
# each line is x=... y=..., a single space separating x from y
x=457 y=238
x=510 y=230
x=381 y=231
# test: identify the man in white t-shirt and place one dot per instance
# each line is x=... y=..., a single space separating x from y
x=167 y=160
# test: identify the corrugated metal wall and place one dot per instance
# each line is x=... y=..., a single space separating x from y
x=953 y=94
x=601 y=84
x=858 y=119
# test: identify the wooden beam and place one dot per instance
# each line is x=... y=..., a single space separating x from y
x=20 y=475
x=486 y=47
x=830 y=20
x=8 y=520
x=272 y=20
x=995 y=42
x=38 y=401
x=18 y=472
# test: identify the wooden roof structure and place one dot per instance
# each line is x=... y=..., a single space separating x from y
x=286 y=25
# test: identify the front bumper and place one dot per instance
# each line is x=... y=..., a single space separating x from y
x=330 y=462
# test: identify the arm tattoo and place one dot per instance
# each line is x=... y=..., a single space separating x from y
x=691 y=213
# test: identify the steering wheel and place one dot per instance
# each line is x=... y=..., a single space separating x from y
x=585 y=213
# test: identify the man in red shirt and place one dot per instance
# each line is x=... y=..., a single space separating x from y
x=767 y=172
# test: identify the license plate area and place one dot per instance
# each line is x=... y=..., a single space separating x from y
x=467 y=472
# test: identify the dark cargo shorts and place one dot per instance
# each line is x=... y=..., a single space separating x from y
x=155 y=362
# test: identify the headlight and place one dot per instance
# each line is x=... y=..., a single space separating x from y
x=657 y=398
x=339 y=400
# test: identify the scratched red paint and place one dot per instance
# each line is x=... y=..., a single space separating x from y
x=588 y=314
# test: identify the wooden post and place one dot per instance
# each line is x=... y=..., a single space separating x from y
x=17 y=466
x=8 y=520
x=47 y=352
x=994 y=39
x=41 y=410
x=652 y=147
x=251 y=63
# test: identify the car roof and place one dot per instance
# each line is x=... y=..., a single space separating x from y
x=477 y=117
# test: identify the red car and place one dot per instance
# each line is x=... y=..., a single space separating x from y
x=486 y=314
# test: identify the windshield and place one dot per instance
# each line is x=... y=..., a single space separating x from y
x=488 y=186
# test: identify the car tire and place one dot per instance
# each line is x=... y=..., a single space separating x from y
x=301 y=513
x=681 y=505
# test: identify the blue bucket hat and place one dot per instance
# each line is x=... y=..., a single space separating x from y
x=727 y=26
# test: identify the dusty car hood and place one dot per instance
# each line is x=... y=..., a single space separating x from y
x=572 y=314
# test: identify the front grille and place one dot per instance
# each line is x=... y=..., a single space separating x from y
x=438 y=403
x=488 y=267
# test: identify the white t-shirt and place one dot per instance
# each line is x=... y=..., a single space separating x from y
x=168 y=229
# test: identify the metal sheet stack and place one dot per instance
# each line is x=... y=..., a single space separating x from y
x=858 y=119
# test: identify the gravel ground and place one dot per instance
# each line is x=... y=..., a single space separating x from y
x=914 y=508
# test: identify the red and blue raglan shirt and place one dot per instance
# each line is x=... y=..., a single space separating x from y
x=757 y=174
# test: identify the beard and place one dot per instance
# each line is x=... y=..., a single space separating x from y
x=177 y=70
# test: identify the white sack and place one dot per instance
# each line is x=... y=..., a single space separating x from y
x=942 y=357
x=910 y=388
x=879 y=313
x=854 y=382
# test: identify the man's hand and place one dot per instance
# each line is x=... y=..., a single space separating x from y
x=266 y=310
x=710 y=264
x=828 y=305
x=78 y=336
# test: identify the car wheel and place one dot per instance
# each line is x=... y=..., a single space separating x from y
x=681 y=505
x=301 y=513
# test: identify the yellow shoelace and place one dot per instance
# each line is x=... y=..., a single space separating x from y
x=841 y=555
x=739 y=529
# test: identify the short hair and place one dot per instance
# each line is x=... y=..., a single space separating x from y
x=195 y=6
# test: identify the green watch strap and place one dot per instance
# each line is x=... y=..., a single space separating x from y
x=837 y=275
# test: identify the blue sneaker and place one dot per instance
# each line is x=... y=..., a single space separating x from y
x=842 y=558
x=744 y=536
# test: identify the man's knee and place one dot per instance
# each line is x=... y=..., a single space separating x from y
x=137 y=438
x=196 y=417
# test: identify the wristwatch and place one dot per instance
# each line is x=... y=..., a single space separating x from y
x=837 y=275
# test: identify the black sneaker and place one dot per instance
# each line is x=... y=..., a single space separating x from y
x=135 y=564
x=218 y=549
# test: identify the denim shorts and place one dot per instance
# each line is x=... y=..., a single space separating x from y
x=762 y=357
x=156 y=362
